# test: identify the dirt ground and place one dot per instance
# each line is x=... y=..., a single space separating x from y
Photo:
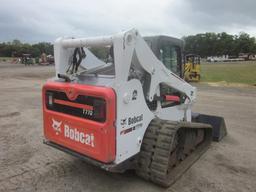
x=26 y=164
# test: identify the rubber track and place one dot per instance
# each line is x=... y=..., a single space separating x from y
x=157 y=145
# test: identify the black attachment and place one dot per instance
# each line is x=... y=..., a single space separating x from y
x=217 y=123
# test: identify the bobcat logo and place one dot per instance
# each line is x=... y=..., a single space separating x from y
x=123 y=121
x=56 y=126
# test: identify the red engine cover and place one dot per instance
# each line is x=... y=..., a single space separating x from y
x=91 y=138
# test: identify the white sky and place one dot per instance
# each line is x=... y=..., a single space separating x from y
x=45 y=20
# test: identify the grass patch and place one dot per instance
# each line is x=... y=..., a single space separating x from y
x=5 y=59
x=233 y=72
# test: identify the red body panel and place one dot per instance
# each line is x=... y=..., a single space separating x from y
x=87 y=137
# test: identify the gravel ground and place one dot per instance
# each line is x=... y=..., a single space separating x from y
x=26 y=164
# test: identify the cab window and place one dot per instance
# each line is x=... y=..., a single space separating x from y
x=170 y=58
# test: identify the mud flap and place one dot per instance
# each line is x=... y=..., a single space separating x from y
x=218 y=124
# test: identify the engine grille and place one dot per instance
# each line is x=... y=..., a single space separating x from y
x=86 y=107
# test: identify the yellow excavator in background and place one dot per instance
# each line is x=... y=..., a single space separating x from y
x=192 y=68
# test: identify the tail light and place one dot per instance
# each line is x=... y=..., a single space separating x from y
x=49 y=99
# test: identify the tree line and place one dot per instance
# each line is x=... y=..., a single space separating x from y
x=218 y=44
x=205 y=44
x=16 y=48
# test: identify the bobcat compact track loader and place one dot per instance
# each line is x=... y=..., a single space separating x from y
x=128 y=108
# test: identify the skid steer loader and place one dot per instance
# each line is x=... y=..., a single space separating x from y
x=130 y=109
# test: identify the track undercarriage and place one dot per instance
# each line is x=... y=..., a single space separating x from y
x=170 y=148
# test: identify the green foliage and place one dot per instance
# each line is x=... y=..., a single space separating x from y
x=235 y=72
x=17 y=48
x=216 y=44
